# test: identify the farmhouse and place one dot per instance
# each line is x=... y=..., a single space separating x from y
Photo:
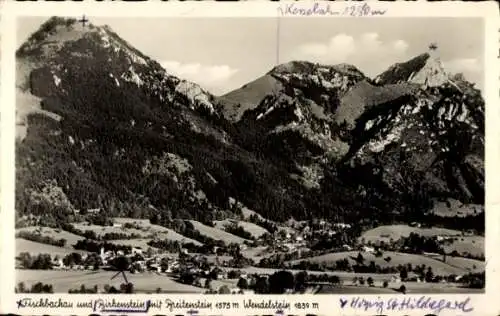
x=368 y=249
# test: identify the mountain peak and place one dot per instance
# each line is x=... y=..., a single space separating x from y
x=53 y=32
x=298 y=66
x=425 y=69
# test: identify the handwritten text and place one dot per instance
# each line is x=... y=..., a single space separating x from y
x=407 y=303
x=322 y=9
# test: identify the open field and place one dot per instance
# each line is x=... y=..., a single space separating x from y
x=252 y=228
x=65 y=280
x=216 y=233
x=471 y=244
x=386 y=232
x=157 y=230
x=257 y=253
x=452 y=266
x=456 y=208
x=146 y=230
x=140 y=243
x=23 y=245
x=469 y=265
x=345 y=276
x=71 y=238
x=101 y=230
x=411 y=288
x=248 y=212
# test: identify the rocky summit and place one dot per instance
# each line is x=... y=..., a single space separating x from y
x=101 y=125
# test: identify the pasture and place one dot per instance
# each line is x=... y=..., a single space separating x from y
x=156 y=230
x=144 y=229
x=216 y=233
x=255 y=230
x=35 y=248
x=453 y=208
x=456 y=266
x=63 y=281
x=71 y=238
x=411 y=288
x=470 y=244
x=387 y=232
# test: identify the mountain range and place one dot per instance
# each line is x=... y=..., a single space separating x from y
x=101 y=125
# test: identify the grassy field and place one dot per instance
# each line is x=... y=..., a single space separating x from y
x=101 y=230
x=456 y=208
x=160 y=231
x=71 y=239
x=395 y=232
x=142 y=243
x=411 y=288
x=23 y=245
x=345 y=276
x=146 y=230
x=65 y=280
x=471 y=244
x=252 y=228
x=216 y=233
x=452 y=266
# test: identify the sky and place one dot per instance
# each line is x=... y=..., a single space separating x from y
x=222 y=54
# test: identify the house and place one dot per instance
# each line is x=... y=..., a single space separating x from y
x=137 y=250
x=342 y=225
x=57 y=263
x=395 y=279
x=368 y=249
x=94 y=211
x=117 y=225
x=346 y=247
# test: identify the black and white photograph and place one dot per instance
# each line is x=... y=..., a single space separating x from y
x=249 y=155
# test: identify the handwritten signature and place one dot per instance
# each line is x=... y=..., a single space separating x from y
x=321 y=9
x=407 y=303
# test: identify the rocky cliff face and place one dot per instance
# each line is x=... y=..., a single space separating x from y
x=108 y=127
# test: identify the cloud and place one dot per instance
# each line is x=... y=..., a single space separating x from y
x=211 y=77
x=471 y=68
x=467 y=65
x=361 y=51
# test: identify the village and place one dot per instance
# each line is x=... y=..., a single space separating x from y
x=234 y=268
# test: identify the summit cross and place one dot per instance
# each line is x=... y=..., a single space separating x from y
x=83 y=20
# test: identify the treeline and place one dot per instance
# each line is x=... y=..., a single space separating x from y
x=95 y=246
x=474 y=222
x=47 y=262
x=38 y=287
x=90 y=234
x=125 y=288
x=37 y=237
x=38 y=262
x=418 y=244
